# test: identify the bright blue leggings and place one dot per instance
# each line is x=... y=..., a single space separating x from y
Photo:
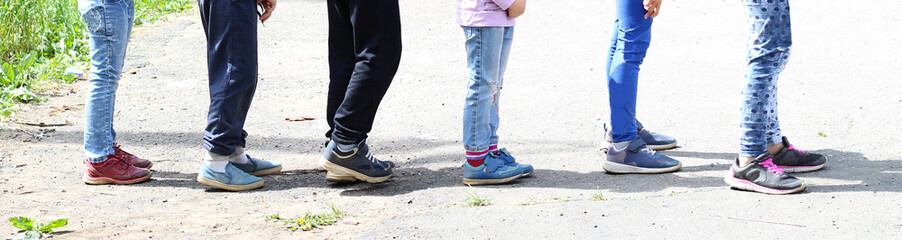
x=632 y=34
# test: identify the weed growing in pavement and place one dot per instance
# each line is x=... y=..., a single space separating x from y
x=474 y=200
x=310 y=221
x=30 y=229
x=598 y=196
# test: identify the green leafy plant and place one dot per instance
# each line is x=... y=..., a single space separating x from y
x=474 y=200
x=30 y=229
x=310 y=221
x=41 y=39
x=822 y=134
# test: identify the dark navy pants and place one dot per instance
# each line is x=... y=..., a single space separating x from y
x=231 y=31
x=364 y=53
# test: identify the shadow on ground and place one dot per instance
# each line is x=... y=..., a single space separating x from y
x=853 y=170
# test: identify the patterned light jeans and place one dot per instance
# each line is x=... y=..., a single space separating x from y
x=769 y=45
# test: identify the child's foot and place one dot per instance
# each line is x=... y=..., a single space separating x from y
x=638 y=158
x=655 y=141
x=762 y=175
x=492 y=171
x=132 y=159
x=114 y=170
x=338 y=178
x=233 y=179
x=791 y=159
x=259 y=167
x=509 y=160
x=357 y=162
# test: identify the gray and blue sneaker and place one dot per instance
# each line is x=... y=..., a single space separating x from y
x=357 y=162
x=233 y=179
x=638 y=158
x=655 y=141
x=510 y=161
x=492 y=171
x=259 y=167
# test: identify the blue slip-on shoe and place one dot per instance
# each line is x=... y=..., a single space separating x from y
x=509 y=160
x=233 y=179
x=492 y=171
x=655 y=141
x=638 y=158
x=357 y=162
x=259 y=167
x=338 y=178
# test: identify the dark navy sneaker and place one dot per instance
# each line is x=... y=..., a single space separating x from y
x=637 y=158
x=762 y=175
x=509 y=160
x=791 y=159
x=339 y=178
x=357 y=162
x=492 y=171
x=655 y=141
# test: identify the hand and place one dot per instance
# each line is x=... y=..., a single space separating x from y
x=268 y=7
x=516 y=9
x=653 y=7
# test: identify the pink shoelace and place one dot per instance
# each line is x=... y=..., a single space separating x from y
x=769 y=164
x=791 y=148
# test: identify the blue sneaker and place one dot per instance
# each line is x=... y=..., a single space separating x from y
x=637 y=158
x=339 y=178
x=233 y=179
x=510 y=161
x=492 y=171
x=655 y=141
x=357 y=162
x=259 y=167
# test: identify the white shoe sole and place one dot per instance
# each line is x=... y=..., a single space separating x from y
x=234 y=188
x=801 y=169
x=342 y=171
x=490 y=181
x=662 y=147
x=749 y=186
x=613 y=167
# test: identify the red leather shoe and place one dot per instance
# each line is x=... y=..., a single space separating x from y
x=132 y=159
x=114 y=170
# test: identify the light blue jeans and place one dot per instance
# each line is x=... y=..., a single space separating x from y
x=109 y=24
x=487 y=51
x=770 y=40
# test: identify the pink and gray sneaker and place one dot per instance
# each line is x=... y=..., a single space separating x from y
x=794 y=160
x=762 y=175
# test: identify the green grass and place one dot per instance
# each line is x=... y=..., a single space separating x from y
x=598 y=196
x=310 y=221
x=41 y=39
x=474 y=200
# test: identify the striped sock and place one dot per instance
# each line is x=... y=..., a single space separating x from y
x=476 y=159
x=493 y=148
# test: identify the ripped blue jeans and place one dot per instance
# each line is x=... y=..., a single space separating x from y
x=487 y=51
x=770 y=40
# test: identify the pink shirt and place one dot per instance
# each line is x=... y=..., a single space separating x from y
x=484 y=13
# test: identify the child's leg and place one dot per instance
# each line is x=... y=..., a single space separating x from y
x=376 y=33
x=231 y=29
x=109 y=26
x=502 y=67
x=769 y=45
x=633 y=34
x=484 y=54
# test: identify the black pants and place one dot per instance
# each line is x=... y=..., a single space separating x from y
x=364 y=52
x=231 y=30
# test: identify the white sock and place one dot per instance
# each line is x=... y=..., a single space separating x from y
x=619 y=146
x=239 y=156
x=346 y=147
x=216 y=161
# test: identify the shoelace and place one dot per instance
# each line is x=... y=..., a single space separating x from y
x=369 y=156
x=769 y=164
x=122 y=153
x=792 y=148
x=649 y=151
